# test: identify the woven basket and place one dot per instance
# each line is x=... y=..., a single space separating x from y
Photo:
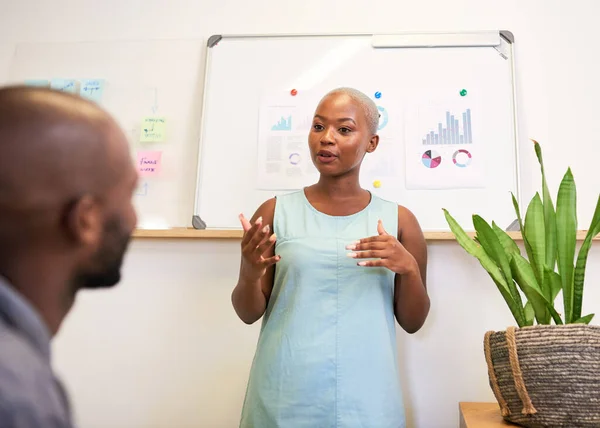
x=546 y=375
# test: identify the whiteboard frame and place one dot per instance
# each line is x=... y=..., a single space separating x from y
x=501 y=40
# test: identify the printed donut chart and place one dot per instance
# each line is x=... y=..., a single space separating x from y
x=462 y=158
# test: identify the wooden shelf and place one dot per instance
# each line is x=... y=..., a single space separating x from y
x=190 y=233
x=481 y=415
x=185 y=233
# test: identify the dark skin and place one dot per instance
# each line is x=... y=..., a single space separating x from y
x=341 y=128
x=65 y=171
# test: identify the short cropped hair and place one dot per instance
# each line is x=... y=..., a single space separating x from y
x=367 y=104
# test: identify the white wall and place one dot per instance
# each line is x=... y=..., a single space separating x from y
x=6 y=51
x=165 y=348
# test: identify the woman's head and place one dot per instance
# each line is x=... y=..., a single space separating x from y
x=344 y=129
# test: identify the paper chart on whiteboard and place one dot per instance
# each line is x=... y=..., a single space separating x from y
x=284 y=161
x=444 y=149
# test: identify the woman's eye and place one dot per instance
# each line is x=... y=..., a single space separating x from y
x=344 y=130
x=318 y=127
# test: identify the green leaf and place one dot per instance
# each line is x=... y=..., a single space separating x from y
x=579 y=274
x=550 y=286
x=523 y=273
x=491 y=244
x=510 y=246
x=529 y=313
x=525 y=278
x=516 y=310
x=566 y=225
x=461 y=236
x=488 y=264
x=528 y=249
x=536 y=236
x=555 y=282
x=584 y=320
x=549 y=214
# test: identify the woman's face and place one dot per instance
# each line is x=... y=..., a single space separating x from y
x=340 y=137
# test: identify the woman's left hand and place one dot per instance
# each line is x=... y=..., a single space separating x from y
x=386 y=250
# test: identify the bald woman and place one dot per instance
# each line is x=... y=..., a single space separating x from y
x=331 y=269
x=66 y=217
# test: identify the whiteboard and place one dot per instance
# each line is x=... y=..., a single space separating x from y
x=142 y=79
x=448 y=121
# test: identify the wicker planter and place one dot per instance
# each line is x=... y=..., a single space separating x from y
x=546 y=375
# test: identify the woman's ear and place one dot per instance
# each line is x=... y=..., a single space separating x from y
x=373 y=143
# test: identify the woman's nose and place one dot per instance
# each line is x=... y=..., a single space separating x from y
x=328 y=137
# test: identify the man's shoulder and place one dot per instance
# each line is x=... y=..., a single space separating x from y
x=29 y=394
x=26 y=414
x=18 y=356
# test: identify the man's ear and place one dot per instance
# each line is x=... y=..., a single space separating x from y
x=373 y=143
x=84 y=222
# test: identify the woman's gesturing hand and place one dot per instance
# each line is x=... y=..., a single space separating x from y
x=386 y=251
x=256 y=242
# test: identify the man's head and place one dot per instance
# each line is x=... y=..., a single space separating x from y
x=66 y=187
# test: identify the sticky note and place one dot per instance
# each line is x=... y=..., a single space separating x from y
x=65 y=85
x=153 y=129
x=92 y=89
x=142 y=189
x=149 y=163
x=37 y=82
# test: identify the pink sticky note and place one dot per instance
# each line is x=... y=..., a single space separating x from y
x=148 y=163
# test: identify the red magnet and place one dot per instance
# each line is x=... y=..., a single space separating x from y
x=294 y=92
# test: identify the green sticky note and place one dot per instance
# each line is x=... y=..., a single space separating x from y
x=153 y=129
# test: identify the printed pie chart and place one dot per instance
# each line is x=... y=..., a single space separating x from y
x=431 y=159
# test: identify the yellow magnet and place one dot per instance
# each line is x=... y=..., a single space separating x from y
x=377 y=183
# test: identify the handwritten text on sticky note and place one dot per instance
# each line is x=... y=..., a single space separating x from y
x=153 y=129
x=65 y=85
x=149 y=163
x=92 y=89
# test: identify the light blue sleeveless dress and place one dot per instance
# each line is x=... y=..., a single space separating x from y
x=326 y=355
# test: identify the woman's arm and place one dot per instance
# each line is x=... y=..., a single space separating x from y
x=257 y=267
x=411 y=301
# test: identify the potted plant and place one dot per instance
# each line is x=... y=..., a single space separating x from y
x=544 y=372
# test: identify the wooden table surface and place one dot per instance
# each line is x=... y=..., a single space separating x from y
x=481 y=415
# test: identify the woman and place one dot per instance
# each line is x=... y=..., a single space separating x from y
x=341 y=266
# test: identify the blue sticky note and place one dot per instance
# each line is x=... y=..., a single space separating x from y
x=142 y=189
x=92 y=89
x=37 y=82
x=64 y=85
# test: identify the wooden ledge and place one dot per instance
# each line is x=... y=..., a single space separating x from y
x=190 y=233
x=187 y=233
x=481 y=415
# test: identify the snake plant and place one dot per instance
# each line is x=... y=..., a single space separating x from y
x=549 y=238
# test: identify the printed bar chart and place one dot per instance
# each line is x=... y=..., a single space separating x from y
x=451 y=134
x=284 y=124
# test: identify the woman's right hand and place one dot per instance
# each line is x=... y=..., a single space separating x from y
x=255 y=245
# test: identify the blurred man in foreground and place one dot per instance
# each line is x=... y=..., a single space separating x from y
x=66 y=217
